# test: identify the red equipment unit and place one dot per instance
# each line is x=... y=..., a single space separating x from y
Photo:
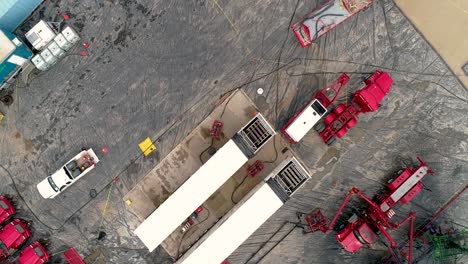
x=377 y=87
x=308 y=116
x=367 y=99
x=216 y=129
x=6 y=209
x=33 y=254
x=73 y=257
x=325 y=18
x=255 y=168
x=199 y=210
x=12 y=236
x=363 y=231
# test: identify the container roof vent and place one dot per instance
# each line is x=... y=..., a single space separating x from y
x=254 y=135
x=288 y=178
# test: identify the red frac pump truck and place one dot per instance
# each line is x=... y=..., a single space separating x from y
x=365 y=100
x=342 y=118
x=364 y=230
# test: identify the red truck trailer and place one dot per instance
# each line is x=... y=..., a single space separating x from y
x=365 y=100
x=325 y=18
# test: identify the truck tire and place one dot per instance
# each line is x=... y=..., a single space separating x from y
x=351 y=123
x=331 y=141
x=339 y=109
x=329 y=119
x=341 y=132
x=319 y=127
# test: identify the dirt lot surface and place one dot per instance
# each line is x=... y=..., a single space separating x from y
x=443 y=24
x=157 y=69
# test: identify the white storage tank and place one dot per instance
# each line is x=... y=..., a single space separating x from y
x=70 y=35
x=40 y=63
x=55 y=49
x=62 y=42
x=48 y=57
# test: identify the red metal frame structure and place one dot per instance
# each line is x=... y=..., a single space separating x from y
x=422 y=229
x=6 y=209
x=325 y=18
x=216 y=129
x=363 y=231
x=255 y=168
x=325 y=97
x=367 y=99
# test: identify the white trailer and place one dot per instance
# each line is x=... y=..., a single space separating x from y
x=248 y=215
x=204 y=182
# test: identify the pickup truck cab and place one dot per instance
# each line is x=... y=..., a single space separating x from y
x=73 y=170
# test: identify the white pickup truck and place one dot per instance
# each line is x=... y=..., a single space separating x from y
x=74 y=169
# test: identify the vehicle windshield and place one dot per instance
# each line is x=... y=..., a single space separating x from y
x=19 y=229
x=68 y=173
x=3 y=205
x=38 y=251
x=52 y=184
x=3 y=247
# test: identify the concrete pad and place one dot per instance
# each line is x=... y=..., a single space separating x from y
x=222 y=201
x=443 y=24
x=187 y=157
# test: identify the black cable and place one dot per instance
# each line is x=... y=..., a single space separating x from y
x=268 y=240
x=319 y=13
x=197 y=223
x=203 y=152
x=276 y=152
x=316 y=24
x=394 y=72
x=236 y=188
x=22 y=198
x=377 y=66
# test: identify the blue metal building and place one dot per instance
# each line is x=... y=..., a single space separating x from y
x=13 y=54
x=14 y=12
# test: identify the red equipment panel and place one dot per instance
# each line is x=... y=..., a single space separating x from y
x=216 y=129
x=199 y=210
x=6 y=209
x=316 y=221
x=412 y=193
x=347 y=239
x=366 y=233
x=73 y=257
x=400 y=179
x=255 y=168
x=329 y=94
